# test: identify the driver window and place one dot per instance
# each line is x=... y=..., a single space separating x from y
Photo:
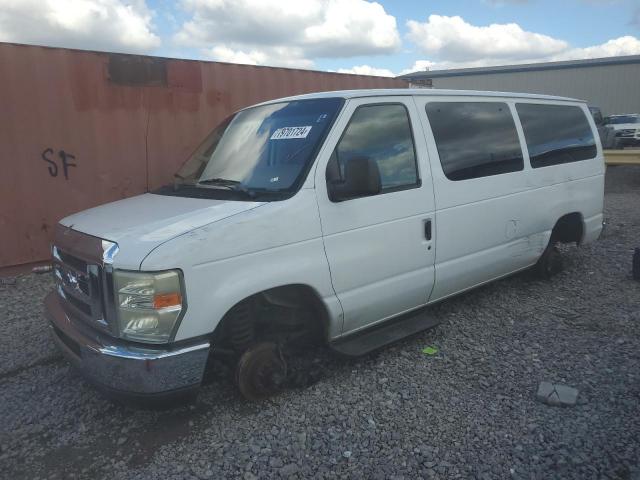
x=383 y=133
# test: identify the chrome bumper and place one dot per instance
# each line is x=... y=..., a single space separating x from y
x=123 y=367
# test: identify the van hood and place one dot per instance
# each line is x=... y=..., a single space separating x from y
x=139 y=224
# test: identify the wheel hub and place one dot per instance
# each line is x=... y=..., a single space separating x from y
x=261 y=371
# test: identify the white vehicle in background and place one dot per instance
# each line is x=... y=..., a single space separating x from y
x=626 y=127
x=335 y=218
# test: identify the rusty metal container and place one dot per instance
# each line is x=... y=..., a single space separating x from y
x=82 y=128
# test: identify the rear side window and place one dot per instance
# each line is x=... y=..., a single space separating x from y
x=556 y=134
x=383 y=133
x=475 y=139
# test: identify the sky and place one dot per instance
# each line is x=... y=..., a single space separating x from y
x=352 y=36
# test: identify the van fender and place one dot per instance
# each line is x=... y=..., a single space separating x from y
x=212 y=289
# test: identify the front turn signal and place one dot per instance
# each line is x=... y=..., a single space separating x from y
x=167 y=300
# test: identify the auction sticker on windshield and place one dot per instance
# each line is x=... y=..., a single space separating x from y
x=291 y=132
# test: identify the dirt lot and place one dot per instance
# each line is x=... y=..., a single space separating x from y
x=467 y=412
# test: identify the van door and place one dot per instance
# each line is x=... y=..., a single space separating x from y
x=486 y=208
x=380 y=247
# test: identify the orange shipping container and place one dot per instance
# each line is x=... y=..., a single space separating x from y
x=81 y=128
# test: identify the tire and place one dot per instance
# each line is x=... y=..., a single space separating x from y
x=550 y=263
x=635 y=268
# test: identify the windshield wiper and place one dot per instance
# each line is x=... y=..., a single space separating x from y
x=225 y=182
x=233 y=185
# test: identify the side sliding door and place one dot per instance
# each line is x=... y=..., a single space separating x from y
x=486 y=223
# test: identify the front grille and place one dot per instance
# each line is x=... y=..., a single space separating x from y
x=72 y=261
x=80 y=285
x=83 y=268
x=627 y=132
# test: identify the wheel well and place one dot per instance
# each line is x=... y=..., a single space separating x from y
x=278 y=313
x=568 y=229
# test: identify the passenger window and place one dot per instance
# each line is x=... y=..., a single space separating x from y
x=475 y=139
x=556 y=134
x=382 y=133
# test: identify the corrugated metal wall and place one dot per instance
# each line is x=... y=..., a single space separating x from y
x=78 y=128
x=613 y=88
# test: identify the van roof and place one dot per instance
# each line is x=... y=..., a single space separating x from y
x=418 y=92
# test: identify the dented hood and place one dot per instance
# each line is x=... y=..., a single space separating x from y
x=139 y=224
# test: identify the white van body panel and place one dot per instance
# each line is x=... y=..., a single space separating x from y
x=492 y=226
x=380 y=262
x=226 y=262
x=139 y=224
x=482 y=230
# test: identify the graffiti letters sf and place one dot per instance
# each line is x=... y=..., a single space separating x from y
x=65 y=161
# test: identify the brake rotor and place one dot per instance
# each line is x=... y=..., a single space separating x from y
x=261 y=371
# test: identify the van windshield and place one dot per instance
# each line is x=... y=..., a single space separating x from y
x=263 y=151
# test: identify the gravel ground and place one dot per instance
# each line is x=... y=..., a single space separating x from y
x=467 y=412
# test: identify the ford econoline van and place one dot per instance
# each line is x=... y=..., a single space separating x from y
x=335 y=218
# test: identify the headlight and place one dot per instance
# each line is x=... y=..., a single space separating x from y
x=149 y=304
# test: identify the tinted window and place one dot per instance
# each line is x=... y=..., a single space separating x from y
x=475 y=139
x=382 y=133
x=556 y=134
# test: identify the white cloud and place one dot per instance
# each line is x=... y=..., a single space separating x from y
x=350 y=28
x=419 y=66
x=451 y=42
x=113 y=25
x=225 y=54
x=274 y=56
x=627 y=45
x=368 y=70
x=278 y=33
x=455 y=40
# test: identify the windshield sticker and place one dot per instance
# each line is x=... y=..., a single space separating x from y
x=285 y=133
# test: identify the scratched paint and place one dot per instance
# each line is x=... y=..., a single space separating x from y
x=79 y=128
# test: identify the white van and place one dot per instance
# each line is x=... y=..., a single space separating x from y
x=334 y=217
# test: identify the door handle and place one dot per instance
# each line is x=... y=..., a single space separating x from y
x=427 y=229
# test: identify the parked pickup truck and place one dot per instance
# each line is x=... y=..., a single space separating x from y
x=333 y=218
x=626 y=128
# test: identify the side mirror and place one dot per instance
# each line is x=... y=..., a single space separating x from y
x=361 y=179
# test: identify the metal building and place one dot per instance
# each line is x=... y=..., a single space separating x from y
x=613 y=83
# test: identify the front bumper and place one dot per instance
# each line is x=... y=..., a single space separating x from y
x=123 y=367
x=628 y=137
